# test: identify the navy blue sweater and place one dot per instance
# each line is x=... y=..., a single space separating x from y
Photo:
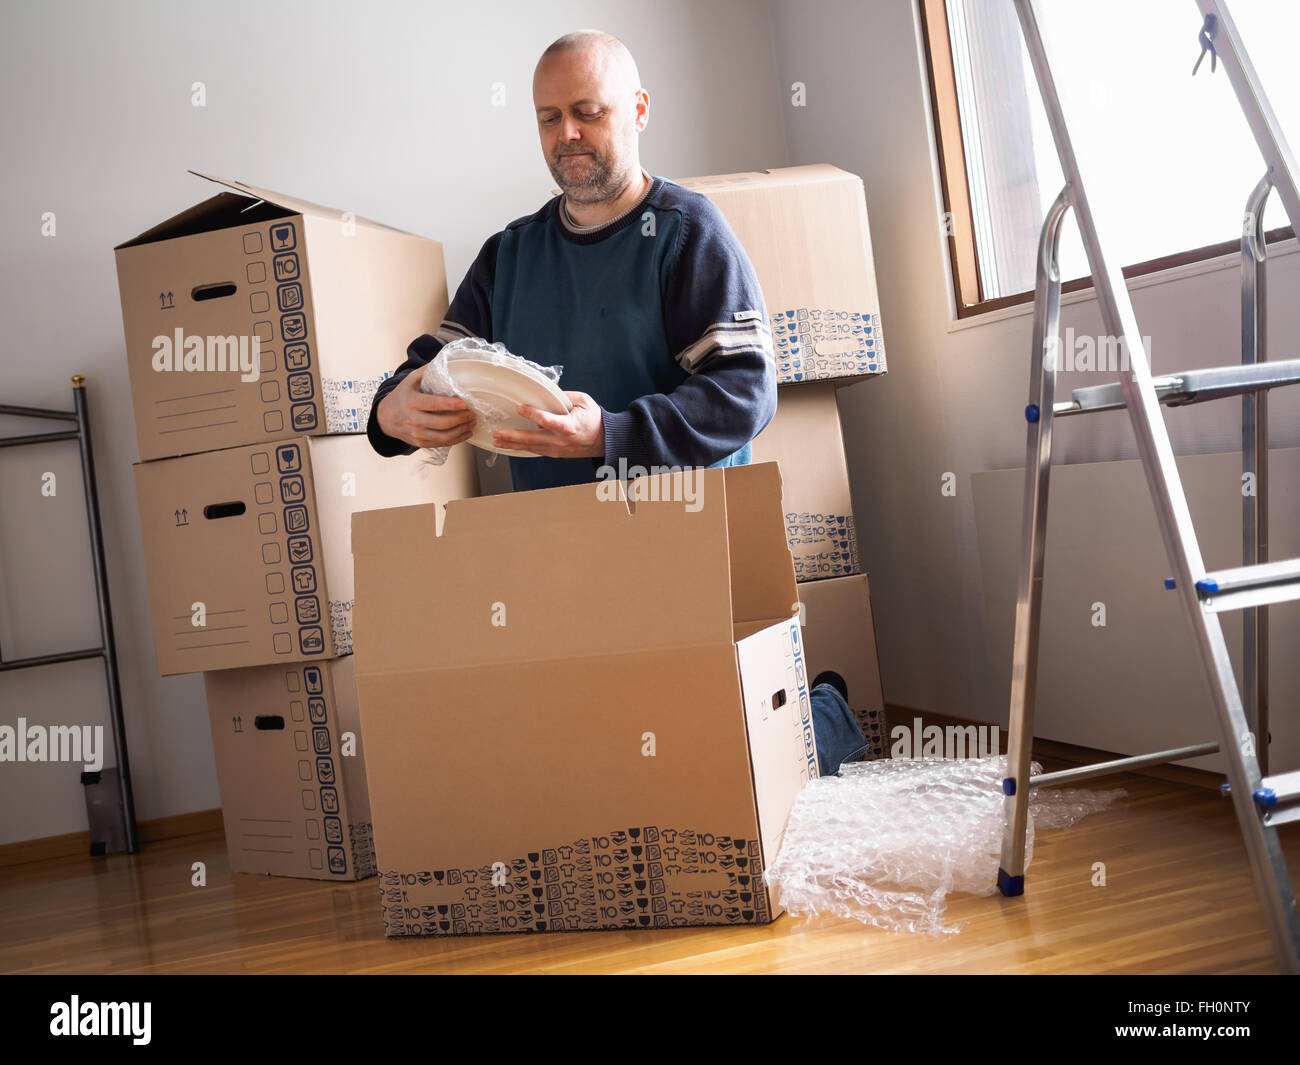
x=657 y=315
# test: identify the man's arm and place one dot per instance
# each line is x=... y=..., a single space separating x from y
x=717 y=326
x=470 y=314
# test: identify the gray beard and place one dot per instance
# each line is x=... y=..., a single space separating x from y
x=601 y=184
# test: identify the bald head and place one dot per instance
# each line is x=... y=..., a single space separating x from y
x=602 y=53
x=590 y=108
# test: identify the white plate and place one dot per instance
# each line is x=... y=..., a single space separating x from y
x=506 y=387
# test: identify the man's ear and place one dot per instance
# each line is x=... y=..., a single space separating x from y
x=642 y=109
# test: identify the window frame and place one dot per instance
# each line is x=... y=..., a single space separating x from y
x=963 y=258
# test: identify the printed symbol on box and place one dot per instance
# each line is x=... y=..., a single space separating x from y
x=338 y=863
x=300 y=386
x=283 y=237
x=308 y=608
x=304 y=580
x=316 y=709
x=287 y=458
x=320 y=739
x=299 y=549
x=303 y=415
x=295 y=519
x=293 y=326
x=292 y=489
x=325 y=770
x=329 y=800
x=333 y=830
x=182 y=516
x=296 y=357
x=256 y=273
x=167 y=300
x=290 y=297
x=311 y=679
x=311 y=640
x=286 y=267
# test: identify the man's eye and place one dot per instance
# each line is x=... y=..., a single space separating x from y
x=550 y=120
x=589 y=118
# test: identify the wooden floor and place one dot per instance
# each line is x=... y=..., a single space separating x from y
x=1179 y=899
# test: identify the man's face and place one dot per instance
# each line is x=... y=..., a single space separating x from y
x=588 y=115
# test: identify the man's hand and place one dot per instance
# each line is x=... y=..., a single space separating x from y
x=422 y=420
x=578 y=434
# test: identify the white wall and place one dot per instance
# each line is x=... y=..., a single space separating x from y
x=380 y=108
x=954 y=396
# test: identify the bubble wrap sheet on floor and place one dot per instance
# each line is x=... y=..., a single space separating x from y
x=886 y=842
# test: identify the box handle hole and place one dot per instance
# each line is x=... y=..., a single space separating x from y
x=778 y=699
x=224 y=510
x=269 y=722
x=212 y=292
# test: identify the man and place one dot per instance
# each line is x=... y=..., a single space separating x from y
x=635 y=285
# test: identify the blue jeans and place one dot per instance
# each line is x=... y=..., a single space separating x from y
x=839 y=736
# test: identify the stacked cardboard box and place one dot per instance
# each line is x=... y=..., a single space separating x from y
x=805 y=230
x=258 y=327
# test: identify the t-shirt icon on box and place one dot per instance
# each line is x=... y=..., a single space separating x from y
x=296 y=357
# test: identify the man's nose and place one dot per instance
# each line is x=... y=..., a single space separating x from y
x=571 y=131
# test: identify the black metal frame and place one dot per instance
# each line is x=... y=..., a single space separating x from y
x=108 y=645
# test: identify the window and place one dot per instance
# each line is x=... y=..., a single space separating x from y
x=1169 y=156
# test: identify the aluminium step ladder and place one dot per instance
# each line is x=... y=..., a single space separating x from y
x=1261 y=802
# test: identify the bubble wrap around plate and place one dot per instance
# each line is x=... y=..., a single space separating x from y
x=436 y=380
x=887 y=841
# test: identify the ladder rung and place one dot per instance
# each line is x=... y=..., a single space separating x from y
x=1189 y=386
x=1280 y=790
x=1247 y=586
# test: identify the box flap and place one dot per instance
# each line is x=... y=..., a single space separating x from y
x=221 y=211
x=554 y=573
x=292 y=203
x=762 y=569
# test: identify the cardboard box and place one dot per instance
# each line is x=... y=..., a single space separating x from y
x=805 y=230
x=840 y=634
x=805 y=439
x=291 y=770
x=247 y=549
x=612 y=731
x=331 y=300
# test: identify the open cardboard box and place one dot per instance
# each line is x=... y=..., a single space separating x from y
x=582 y=711
x=332 y=299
